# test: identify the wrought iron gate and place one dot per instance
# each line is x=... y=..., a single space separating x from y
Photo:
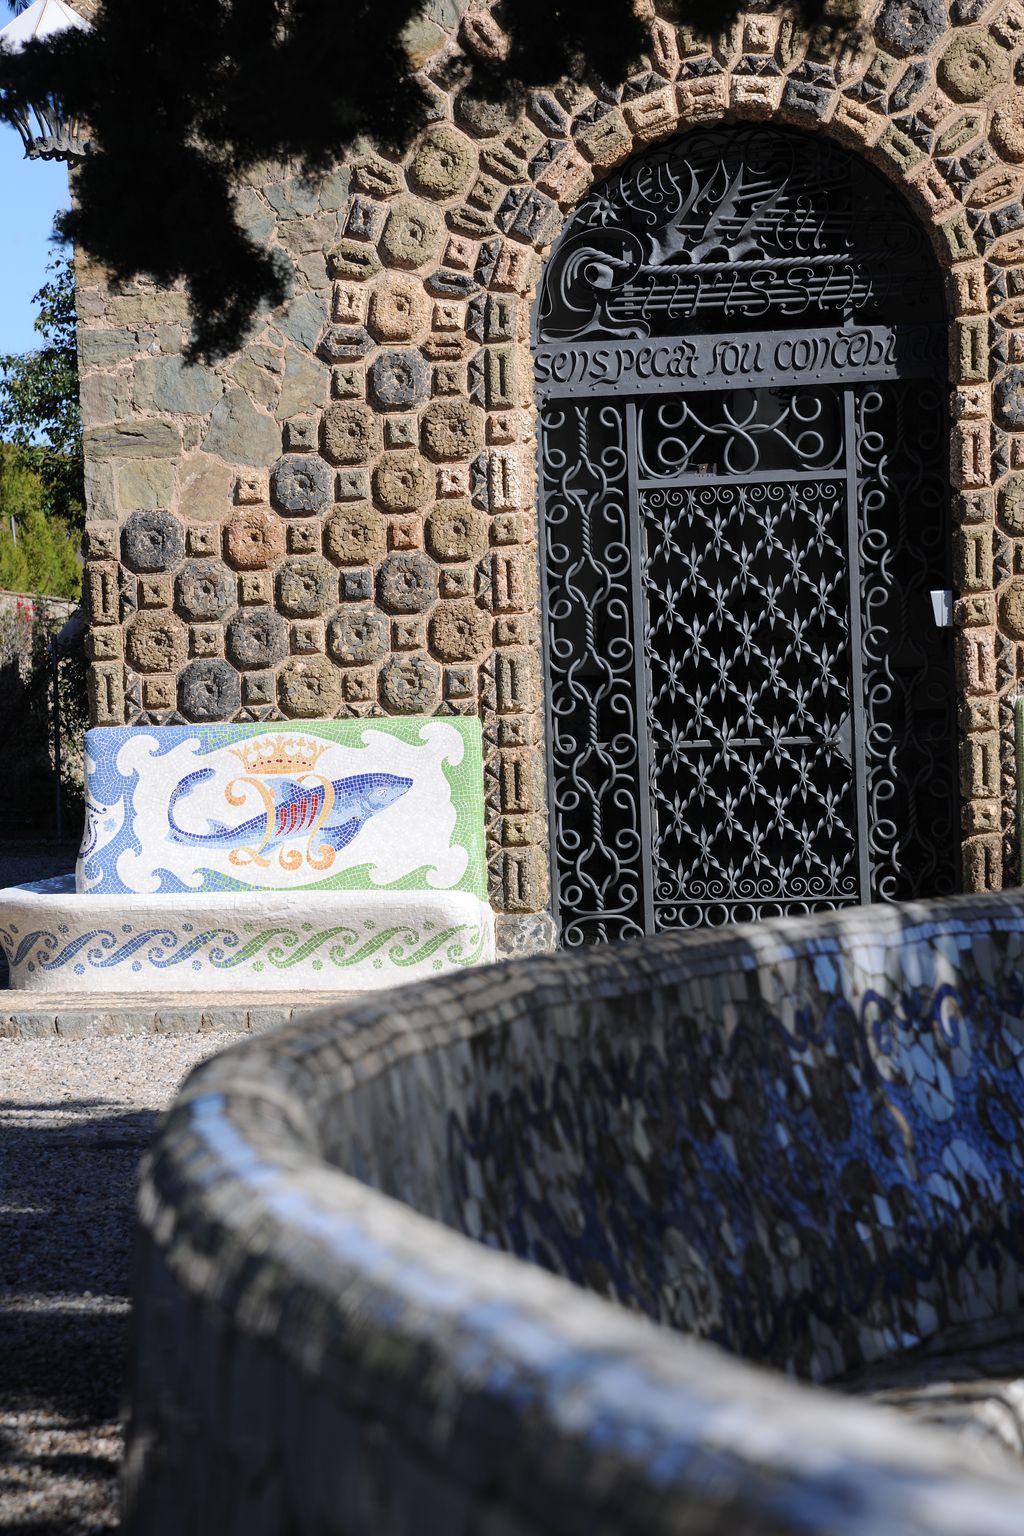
x=740 y=362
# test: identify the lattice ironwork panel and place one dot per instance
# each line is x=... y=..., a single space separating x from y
x=750 y=700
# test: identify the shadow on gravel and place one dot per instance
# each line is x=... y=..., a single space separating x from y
x=67 y=1186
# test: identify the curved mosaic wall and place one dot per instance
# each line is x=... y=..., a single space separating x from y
x=340 y=519
x=798 y=1140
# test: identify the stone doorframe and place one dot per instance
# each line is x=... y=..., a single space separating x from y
x=432 y=286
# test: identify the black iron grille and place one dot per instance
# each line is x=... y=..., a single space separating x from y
x=740 y=356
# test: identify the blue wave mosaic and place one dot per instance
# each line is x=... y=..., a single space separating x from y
x=131 y=948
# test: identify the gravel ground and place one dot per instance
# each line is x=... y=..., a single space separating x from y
x=75 y=1116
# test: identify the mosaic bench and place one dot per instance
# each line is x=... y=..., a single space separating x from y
x=348 y=854
x=799 y=1143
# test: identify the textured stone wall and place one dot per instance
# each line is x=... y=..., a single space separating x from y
x=340 y=519
x=801 y=1140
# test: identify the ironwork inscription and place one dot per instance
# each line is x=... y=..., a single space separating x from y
x=750 y=709
x=716 y=362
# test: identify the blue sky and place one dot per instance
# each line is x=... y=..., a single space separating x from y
x=31 y=191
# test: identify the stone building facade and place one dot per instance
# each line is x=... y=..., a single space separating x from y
x=341 y=519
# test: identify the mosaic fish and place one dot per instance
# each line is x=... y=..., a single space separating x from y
x=327 y=813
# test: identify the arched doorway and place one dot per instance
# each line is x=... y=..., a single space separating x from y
x=740 y=363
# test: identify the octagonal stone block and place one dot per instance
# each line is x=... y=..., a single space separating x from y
x=410 y=685
x=1008 y=400
x=1010 y=504
x=357 y=636
x=203 y=590
x=254 y=540
x=412 y=235
x=459 y=631
x=398 y=310
x=307 y=586
x=257 y=638
x=456 y=530
x=442 y=162
x=300 y=484
x=910 y=26
x=398 y=379
x=349 y=434
x=451 y=429
x=972 y=65
x=156 y=642
x=1007 y=132
x=407 y=583
x=1011 y=609
x=209 y=690
x=355 y=536
x=483 y=118
x=152 y=541
x=309 y=689
x=402 y=482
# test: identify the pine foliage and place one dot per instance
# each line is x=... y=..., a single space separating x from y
x=183 y=98
x=39 y=406
x=38 y=550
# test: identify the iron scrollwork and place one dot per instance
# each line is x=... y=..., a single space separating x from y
x=739 y=433
x=592 y=649
x=908 y=694
x=742 y=228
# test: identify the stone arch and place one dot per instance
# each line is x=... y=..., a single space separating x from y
x=804 y=91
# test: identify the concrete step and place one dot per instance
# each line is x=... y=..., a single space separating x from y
x=36 y=1015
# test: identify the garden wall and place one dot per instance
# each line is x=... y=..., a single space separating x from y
x=798 y=1141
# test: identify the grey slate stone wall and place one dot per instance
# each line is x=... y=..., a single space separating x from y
x=799 y=1140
